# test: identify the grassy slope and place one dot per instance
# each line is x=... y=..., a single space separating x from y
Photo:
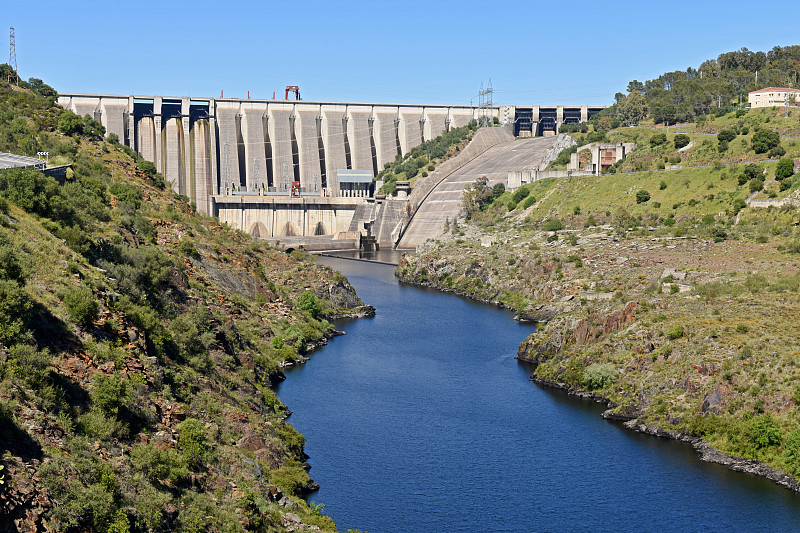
x=128 y=410
x=718 y=356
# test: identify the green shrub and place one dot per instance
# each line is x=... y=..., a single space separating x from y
x=520 y=194
x=10 y=266
x=26 y=364
x=777 y=151
x=193 y=441
x=642 y=196
x=784 y=169
x=756 y=185
x=792 y=452
x=142 y=273
x=129 y=194
x=81 y=305
x=753 y=171
x=15 y=308
x=553 y=224
x=308 y=303
x=764 y=432
x=681 y=140
x=662 y=185
x=726 y=136
x=675 y=332
x=529 y=201
x=187 y=248
x=192 y=332
x=599 y=375
x=109 y=393
x=658 y=139
x=159 y=464
x=764 y=140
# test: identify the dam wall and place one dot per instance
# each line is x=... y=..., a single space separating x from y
x=207 y=146
x=281 y=216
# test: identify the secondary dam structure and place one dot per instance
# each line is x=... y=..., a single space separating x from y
x=288 y=168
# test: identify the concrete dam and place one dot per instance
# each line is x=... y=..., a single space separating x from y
x=281 y=167
x=207 y=147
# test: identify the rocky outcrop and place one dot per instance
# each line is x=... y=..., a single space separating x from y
x=562 y=142
x=342 y=295
x=596 y=328
x=362 y=311
x=539 y=346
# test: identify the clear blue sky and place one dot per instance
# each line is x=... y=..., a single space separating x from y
x=416 y=51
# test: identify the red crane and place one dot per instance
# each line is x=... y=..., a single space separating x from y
x=292 y=89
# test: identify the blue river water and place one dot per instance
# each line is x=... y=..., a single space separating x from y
x=421 y=420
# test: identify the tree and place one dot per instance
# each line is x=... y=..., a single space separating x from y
x=726 y=135
x=475 y=197
x=658 y=139
x=635 y=85
x=309 y=304
x=753 y=171
x=632 y=108
x=498 y=191
x=681 y=140
x=42 y=88
x=69 y=123
x=784 y=169
x=764 y=140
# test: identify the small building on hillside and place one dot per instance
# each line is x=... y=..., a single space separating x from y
x=774 y=96
x=603 y=156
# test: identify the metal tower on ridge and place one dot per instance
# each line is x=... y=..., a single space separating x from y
x=12 y=58
x=485 y=105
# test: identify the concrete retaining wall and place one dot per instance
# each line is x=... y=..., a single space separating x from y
x=270 y=216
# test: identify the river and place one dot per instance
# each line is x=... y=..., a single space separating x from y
x=421 y=420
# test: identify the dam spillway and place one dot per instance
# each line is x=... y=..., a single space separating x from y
x=205 y=146
x=279 y=168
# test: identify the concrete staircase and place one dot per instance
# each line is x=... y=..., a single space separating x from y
x=365 y=212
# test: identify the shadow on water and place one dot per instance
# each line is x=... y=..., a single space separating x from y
x=387 y=257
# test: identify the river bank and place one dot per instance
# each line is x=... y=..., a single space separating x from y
x=431 y=390
x=662 y=331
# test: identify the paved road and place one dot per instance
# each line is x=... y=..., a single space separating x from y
x=445 y=200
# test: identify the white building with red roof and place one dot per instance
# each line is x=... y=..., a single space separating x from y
x=773 y=96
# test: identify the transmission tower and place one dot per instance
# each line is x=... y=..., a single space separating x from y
x=12 y=58
x=485 y=105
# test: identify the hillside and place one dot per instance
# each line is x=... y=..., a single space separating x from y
x=713 y=88
x=660 y=292
x=139 y=345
